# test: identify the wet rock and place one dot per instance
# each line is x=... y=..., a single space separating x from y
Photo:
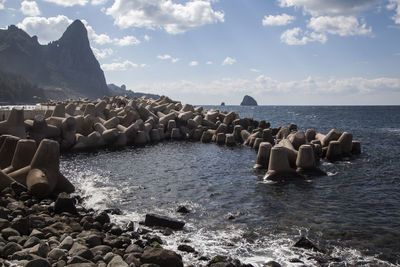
x=116 y=230
x=272 y=264
x=64 y=203
x=306 y=244
x=162 y=257
x=186 y=248
x=158 y=220
x=183 y=210
x=10 y=249
x=18 y=188
x=76 y=248
x=57 y=229
x=117 y=261
x=101 y=217
x=38 y=263
x=133 y=248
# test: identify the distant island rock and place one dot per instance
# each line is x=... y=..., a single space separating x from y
x=248 y=101
x=223 y=104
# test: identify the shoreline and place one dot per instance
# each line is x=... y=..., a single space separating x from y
x=118 y=122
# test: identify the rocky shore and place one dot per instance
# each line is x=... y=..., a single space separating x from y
x=41 y=225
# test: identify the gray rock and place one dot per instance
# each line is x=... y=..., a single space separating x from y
x=101 y=217
x=21 y=255
x=7 y=232
x=21 y=225
x=60 y=263
x=77 y=259
x=41 y=249
x=76 y=248
x=86 y=254
x=38 y=263
x=32 y=241
x=56 y=254
x=132 y=259
x=108 y=257
x=162 y=257
x=93 y=240
x=67 y=243
x=186 y=248
x=37 y=233
x=117 y=261
x=4 y=223
x=64 y=203
x=101 y=250
x=133 y=248
x=158 y=220
x=10 y=249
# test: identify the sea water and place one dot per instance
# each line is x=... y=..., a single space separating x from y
x=353 y=212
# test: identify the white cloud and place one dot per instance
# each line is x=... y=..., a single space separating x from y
x=127 y=40
x=102 y=53
x=30 y=8
x=51 y=29
x=209 y=62
x=98 y=2
x=46 y=29
x=330 y=7
x=68 y=3
x=172 y=17
x=228 y=61
x=146 y=37
x=193 y=63
x=296 y=36
x=340 y=25
x=255 y=70
x=397 y=54
x=2 y=2
x=278 y=20
x=168 y=57
x=395 y=5
x=117 y=66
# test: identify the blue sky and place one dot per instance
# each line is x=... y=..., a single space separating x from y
x=282 y=52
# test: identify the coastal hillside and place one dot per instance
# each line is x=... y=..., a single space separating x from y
x=122 y=91
x=64 y=68
x=15 y=89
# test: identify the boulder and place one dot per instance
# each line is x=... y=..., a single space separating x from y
x=162 y=257
x=163 y=221
x=248 y=101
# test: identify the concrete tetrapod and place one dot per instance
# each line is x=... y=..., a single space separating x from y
x=7 y=150
x=278 y=166
x=38 y=129
x=23 y=155
x=14 y=125
x=306 y=163
x=264 y=151
x=44 y=177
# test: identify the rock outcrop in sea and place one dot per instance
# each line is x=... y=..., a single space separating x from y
x=248 y=101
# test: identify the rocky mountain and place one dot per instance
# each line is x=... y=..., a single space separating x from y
x=122 y=91
x=248 y=101
x=64 y=68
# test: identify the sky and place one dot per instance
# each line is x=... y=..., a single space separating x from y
x=281 y=52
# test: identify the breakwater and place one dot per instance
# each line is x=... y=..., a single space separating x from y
x=176 y=132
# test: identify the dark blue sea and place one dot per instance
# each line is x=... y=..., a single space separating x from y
x=353 y=212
